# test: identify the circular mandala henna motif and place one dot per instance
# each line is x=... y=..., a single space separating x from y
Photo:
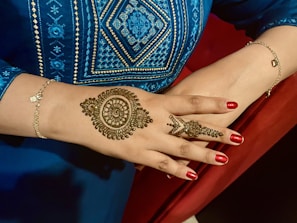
x=116 y=113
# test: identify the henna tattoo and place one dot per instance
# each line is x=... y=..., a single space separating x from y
x=116 y=113
x=191 y=128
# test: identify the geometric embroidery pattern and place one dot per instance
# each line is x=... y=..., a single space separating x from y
x=141 y=43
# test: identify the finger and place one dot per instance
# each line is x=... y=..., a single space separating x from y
x=181 y=162
x=181 y=148
x=193 y=129
x=193 y=104
x=167 y=165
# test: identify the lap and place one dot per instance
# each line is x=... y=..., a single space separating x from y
x=49 y=181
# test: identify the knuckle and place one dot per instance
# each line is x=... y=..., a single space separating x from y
x=163 y=165
x=224 y=133
x=220 y=106
x=195 y=101
x=179 y=170
x=208 y=158
x=183 y=162
x=184 y=149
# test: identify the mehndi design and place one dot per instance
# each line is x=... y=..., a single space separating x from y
x=116 y=113
x=191 y=128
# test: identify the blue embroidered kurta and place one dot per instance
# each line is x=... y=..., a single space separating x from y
x=138 y=43
x=102 y=43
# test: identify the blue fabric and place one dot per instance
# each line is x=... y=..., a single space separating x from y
x=256 y=16
x=90 y=42
x=7 y=75
x=84 y=42
x=138 y=43
x=59 y=182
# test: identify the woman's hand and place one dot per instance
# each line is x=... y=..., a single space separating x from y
x=150 y=129
x=244 y=75
x=123 y=122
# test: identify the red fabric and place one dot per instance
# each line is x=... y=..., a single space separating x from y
x=155 y=199
x=218 y=40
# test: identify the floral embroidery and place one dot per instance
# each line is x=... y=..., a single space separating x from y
x=56 y=31
x=3 y=82
x=126 y=42
x=7 y=74
x=55 y=9
x=141 y=43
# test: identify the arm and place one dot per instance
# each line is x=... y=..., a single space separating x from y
x=62 y=116
x=245 y=74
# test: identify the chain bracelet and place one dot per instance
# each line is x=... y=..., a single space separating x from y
x=37 y=99
x=274 y=63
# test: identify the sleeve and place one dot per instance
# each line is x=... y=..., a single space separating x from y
x=7 y=75
x=256 y=16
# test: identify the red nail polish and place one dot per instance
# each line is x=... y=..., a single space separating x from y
x=236 y=138
x=222 y=159
x=232 y=105
x=192 y=175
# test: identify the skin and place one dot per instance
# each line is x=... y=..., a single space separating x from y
x=61 y=118
x=247 y=79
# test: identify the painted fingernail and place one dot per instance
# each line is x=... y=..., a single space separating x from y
x=221 y=159
x=236 y=138
x=232 y=105
x=192 y=175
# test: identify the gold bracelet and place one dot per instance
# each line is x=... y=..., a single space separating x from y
x=37 y=99
x=274 y=62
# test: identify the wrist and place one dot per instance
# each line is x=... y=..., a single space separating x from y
x=60 y=116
